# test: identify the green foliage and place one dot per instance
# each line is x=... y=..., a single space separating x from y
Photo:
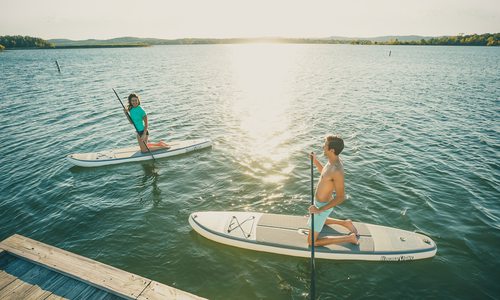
x=493 y=40
x=2 y=47
x=12 y=42
x=18 y=41
x=460 y=40
x=102 y=46
x=486 y=39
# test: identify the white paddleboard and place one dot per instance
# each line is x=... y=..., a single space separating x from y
x=287 y=235
x=123 y=155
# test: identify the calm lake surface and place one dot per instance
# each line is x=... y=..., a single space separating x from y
x=422 y=153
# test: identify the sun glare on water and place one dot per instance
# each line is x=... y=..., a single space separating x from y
x=263 y=76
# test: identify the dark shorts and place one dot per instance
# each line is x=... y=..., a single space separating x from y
x=141 y=132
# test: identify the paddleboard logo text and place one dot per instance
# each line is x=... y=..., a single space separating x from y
x=398 y=258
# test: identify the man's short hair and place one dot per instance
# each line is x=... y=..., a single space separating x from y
x=335 y=143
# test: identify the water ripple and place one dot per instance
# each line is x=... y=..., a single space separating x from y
x=422 y=148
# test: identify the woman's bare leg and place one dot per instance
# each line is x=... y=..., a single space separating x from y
x=161 y=145
x=141 y=144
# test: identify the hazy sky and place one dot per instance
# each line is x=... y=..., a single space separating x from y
x=103 y=19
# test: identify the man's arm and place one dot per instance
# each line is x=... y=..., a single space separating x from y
x=316 y=162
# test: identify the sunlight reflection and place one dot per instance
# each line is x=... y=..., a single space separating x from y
x=263 y=74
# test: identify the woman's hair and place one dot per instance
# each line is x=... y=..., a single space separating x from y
x=336 y=143
x=130 y=98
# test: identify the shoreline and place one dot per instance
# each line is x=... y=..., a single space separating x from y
x=26 y=42
x=244 y=43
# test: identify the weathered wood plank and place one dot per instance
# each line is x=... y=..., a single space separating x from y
x=101 y=295
x=156 y=290
x=5 y=279
x=88 y=271
x=28 y=291
x=51 y=280
x=81 y=268
x=111 y=297
x=8 y=291
x=32 y=279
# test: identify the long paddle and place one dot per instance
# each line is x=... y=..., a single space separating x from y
x=130 y=119
x=313 y=271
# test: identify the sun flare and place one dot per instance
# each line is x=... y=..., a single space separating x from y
x=263 y=77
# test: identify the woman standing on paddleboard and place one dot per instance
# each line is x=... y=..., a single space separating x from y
x=140 y=121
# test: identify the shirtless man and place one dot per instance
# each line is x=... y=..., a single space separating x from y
x=330 y=183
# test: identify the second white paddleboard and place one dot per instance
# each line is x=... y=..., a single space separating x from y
x=123 y=155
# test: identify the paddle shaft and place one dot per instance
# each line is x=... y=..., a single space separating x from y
x=313 y=271
x=130 y=119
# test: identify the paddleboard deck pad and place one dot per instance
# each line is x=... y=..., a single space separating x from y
x=287 y=235
x=123 y=155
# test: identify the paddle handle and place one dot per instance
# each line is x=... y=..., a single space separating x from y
x=130 y=119
x=313 y=268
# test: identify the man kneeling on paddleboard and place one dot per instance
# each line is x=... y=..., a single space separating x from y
x=330 y=183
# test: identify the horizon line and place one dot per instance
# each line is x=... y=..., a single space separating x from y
x=274 y=37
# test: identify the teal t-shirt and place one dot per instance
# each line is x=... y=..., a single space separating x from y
x=137 y=114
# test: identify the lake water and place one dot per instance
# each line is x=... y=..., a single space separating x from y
x=422 y=136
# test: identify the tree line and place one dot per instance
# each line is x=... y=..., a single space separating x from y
x=486 y=39
x=18 y=41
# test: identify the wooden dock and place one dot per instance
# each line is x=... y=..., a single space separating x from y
x=33 y=270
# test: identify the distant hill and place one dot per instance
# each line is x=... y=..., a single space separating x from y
x=154 y=41
x=486 y=39
x=115 y=41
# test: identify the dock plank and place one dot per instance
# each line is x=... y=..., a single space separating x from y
x=31 y=288
x=9 y=290
x=101 y=295
x=156 y=290
x=46 y=286
x=28 y=291
x=81 y=268
x=5 y=279
x=117 y=282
